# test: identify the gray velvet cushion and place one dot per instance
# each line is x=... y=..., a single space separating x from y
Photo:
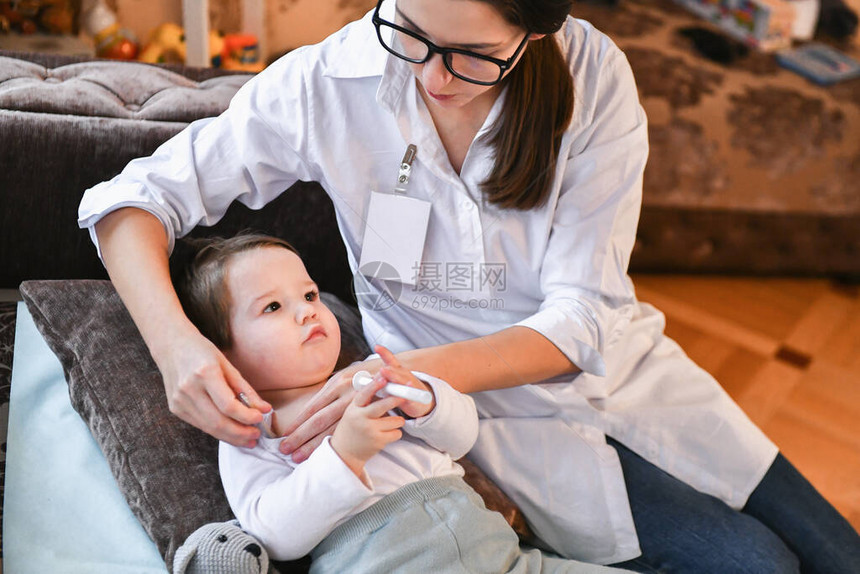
x=166 y=469
x=106 y=89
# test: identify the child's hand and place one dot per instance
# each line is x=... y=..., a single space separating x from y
x=394 y=372
x=366 y=427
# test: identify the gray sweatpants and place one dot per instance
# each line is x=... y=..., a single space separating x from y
x=438 y=526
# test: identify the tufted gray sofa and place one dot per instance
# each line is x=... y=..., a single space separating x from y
x=67 y=124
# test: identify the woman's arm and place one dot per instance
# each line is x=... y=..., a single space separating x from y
x=200 y=383
x=250 y=153
x=508 y=358
x=511 y=357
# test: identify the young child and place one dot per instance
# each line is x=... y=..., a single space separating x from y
x=382 y=493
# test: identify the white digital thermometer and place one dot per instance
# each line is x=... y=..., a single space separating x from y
x=363 y=378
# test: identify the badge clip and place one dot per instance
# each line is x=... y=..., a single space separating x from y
x=405 y=169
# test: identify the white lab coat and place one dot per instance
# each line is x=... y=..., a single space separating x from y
x=342 y=113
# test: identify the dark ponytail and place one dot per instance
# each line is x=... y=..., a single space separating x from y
x=538 y=107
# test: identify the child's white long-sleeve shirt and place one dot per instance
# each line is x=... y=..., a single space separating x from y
x=291 y=507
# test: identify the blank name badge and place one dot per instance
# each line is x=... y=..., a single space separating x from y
x=394 y=234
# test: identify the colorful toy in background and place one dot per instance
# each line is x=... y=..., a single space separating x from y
x=111 y=41
x=166 y=45
x=228 y=51
x=32 y=16
x=240 y=52
x=762 y=24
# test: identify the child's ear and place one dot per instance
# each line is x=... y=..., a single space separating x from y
x=533 y=37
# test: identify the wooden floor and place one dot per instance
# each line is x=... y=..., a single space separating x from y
x=788 y=351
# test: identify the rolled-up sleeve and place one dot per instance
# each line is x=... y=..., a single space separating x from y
x=588 y=297
x=252 y=152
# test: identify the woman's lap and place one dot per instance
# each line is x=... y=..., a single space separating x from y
x=683 y=530
x=822 y=538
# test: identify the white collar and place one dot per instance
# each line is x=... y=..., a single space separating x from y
x=360 y=53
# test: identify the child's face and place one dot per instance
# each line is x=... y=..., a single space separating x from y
x=283 y=336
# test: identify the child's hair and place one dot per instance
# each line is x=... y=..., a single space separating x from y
x=201 y=284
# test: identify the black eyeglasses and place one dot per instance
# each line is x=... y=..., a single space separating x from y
x=468 y=66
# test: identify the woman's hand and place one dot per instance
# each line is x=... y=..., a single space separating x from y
x=394 y=372
x=202 y=386
x=366 y=427
x=323 y=412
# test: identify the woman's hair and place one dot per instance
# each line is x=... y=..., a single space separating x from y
x=537 y=110
x=201 y=282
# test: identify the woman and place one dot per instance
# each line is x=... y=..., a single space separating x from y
x=531 y=145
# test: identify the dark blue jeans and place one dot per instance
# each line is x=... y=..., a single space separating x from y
x=786 y=526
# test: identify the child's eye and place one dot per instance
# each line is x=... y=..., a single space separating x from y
x=271 y=307
x=311 y=296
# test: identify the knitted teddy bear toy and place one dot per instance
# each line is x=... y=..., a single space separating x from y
x=221 y=548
